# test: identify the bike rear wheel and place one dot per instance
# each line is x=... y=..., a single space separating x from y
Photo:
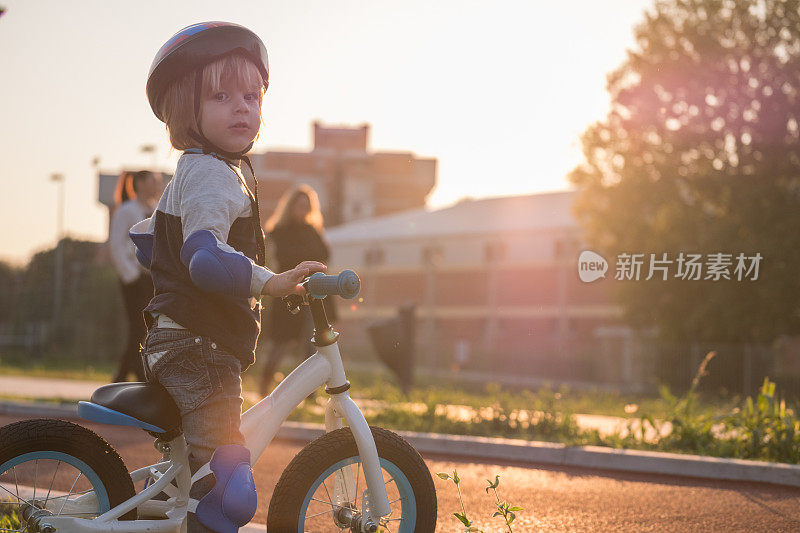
x=311 y=496
x=53 y=467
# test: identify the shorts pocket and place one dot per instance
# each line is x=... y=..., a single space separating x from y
x=167 y=340
x=227 y=369
x=162 y=344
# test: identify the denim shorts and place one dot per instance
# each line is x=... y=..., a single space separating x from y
x=205 y=382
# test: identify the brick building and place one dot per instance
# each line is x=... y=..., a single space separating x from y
x=496 y=290
x=352 y=182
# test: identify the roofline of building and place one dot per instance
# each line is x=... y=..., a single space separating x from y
x=401 y=216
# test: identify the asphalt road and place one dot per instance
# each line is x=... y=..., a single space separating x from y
x=554 y=499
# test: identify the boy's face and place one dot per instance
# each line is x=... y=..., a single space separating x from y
x=230 y=118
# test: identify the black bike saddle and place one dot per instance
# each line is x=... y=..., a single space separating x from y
x=145 y=405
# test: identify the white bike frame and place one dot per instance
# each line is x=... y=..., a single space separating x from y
x=259 y=425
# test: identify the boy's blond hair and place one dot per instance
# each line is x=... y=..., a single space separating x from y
x=177 y=104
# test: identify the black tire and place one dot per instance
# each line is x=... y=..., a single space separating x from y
x=292 y=489
x=49 y=435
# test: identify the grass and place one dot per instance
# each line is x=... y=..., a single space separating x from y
x=50 y=400
x=762 y=427
x=8 y=514
x=381 y=388
x=13 y=363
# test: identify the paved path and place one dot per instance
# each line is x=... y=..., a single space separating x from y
x=555 y=499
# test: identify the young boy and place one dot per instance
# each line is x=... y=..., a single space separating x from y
x=204 y=247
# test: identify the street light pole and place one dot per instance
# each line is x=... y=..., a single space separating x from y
x=150 y=149
x=59 y=270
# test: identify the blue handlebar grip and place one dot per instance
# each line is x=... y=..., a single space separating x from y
x=346 y=285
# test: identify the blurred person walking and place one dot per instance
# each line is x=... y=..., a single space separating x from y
x=135 y=198
x=295 y=234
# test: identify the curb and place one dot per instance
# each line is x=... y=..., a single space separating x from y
x=532 y=452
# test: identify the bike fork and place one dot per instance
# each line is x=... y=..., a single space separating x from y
x=341 y=406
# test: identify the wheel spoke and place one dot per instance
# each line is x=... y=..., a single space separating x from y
x=70 y=493
x=358 y=472
x=328 y=493
x=51 y=484
x=35 y=473
x=318 y=514
x=344 y=481
x=15 y=481
x=76 y=494
x=326 y=503
x=329 y=497
x=17 y=496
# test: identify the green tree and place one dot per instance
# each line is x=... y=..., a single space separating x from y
x=93 y=324
x=699 y=153
x=9 y=282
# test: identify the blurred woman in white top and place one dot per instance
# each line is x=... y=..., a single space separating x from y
x=135 y=197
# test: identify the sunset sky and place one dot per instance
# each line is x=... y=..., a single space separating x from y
x=498 y=92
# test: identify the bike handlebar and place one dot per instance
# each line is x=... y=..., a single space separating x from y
x=346 y=284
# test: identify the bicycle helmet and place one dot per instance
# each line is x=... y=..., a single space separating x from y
x=197 y=45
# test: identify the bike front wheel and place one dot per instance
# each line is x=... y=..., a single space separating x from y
x=323 y=488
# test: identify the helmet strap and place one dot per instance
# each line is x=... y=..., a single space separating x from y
x=261 y=255
x=198 y=93
x=210 y=148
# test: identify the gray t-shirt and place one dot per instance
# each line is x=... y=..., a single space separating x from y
x=206 y=193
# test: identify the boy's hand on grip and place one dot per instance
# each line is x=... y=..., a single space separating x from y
x=286 y=283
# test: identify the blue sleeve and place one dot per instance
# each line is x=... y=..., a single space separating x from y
x=215 y=270
x=143 y=242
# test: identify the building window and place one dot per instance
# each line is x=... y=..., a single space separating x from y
x=432 y=254
x=374 y=256
x=564 y=247
x=495 y=251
